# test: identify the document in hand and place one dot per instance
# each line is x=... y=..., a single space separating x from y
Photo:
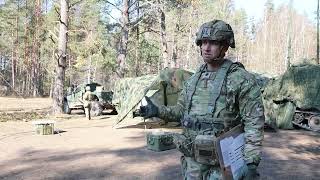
x=230 y=148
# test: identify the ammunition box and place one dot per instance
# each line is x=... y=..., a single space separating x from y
x=160 y=141
x=44 y=127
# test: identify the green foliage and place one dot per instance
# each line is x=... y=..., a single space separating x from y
x=94 y=37
x=148 y=56
x=89 y=43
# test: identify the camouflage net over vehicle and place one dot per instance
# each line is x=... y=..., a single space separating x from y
x=297 y=89
x=163 y=89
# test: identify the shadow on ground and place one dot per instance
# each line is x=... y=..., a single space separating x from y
x=46 y=164
x=291 y=155
x=286 y=155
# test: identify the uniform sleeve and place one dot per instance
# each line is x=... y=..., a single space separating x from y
x=174 y=113
x=252 y=114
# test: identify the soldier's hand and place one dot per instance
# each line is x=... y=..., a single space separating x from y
x=249 y=172
x=149 y=110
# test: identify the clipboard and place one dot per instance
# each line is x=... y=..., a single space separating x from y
x=228 y=166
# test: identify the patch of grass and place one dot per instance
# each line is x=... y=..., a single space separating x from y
x=21 y=116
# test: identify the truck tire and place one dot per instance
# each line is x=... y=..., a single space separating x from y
x=66 y=108
x=114 y=111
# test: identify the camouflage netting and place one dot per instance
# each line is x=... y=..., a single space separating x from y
x=297 y=88
x=162 y=89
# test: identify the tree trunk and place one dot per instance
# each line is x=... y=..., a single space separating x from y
x=186 y=64
x=61 y=59
x=13 y=62
x=25 y=55
x=28 y=84
x=51 y=88
x=137 y=43
x=95 y=69
x=17 y=39
x=318 y=61
x=122 y=48
x=288 y=53
x=175 y=42
x=265 y=42
x=36 y=52
x=24 y=79
x=163 y=35
x=89 y=69
x=174 y=50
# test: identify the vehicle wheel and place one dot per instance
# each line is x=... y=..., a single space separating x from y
x=113 y=112
x=298 y=117
x=314 y=123
x=66 y=108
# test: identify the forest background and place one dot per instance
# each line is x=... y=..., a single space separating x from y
x=47 y=45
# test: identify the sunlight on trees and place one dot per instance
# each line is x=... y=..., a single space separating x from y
x=148 y=36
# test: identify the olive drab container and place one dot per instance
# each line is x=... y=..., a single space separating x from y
x=160 y=141
x=44 y=127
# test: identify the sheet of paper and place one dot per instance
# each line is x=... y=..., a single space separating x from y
x=236 y=154
x=225 y=145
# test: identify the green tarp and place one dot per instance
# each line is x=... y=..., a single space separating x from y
x=298 y=87
x=162 y=89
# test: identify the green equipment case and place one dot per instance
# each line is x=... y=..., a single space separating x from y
x=44 y=127
x=160 y=141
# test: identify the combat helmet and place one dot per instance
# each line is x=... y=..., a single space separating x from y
x=216 y=30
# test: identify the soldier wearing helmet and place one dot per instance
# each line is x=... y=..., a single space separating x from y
x=214 y=38
x=219 y=96
x=88 y=96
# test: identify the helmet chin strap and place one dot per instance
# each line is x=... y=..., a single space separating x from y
x=220 y=54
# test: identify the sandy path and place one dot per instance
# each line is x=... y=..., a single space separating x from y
x=94 y=150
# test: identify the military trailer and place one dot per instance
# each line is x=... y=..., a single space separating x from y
x=293 y=99
x=74 y=98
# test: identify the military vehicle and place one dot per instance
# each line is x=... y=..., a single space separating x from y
x=102 y=99
x=293 y=99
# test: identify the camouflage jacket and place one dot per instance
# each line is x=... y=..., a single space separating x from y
x=239 y=97
x=87 y=97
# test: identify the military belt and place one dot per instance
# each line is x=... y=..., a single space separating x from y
x=202 y=124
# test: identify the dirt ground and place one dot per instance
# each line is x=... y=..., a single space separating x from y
x=24 y=104
x=96 y=150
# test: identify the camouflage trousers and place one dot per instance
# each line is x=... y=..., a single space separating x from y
x=87 y=109
x=192 y=170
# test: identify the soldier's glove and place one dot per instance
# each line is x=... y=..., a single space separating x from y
x=249 y=172
x=150 y=110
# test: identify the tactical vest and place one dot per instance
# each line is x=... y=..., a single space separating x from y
x=206 y=103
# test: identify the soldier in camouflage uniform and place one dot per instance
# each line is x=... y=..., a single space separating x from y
x=219 y=96
x=88 y=96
